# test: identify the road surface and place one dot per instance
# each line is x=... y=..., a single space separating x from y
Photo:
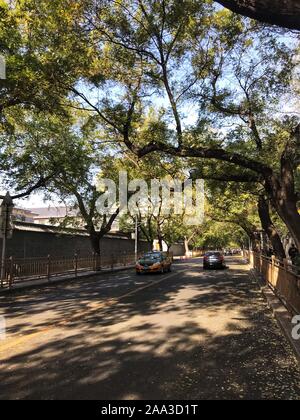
x=185 y=335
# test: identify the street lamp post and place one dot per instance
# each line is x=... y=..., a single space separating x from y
x=5 y=228
x=136 y=237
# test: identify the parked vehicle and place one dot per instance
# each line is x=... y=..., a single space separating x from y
x=154 y=262
x=214 y=259
x=228 y=252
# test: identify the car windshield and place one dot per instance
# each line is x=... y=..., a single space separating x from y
x=213 y=254
x=151 y=257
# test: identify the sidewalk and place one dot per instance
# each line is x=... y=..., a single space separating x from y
x=280 y=312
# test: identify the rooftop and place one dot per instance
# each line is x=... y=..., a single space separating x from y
x=53 y=212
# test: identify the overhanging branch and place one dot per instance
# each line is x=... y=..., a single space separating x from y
x=205 y=153
x=275 y=12
x=40 y=184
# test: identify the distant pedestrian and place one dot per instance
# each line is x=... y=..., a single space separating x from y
x=294 y=254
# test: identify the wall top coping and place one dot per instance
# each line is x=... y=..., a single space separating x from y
x=33 y=227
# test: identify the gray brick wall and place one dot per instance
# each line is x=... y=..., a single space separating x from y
x=27 y=244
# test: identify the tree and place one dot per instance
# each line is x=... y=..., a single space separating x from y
x=67 y=155
x=36 y=76
x=33 y=72
x=190 y=234
x=156 y=217
x=275 y=12
x=270 y=228
x=173 y=230
x=228 y=69
x=212 y=46
x=64 y=156
x=219 y=235
x=242 y=204
x=230 y=203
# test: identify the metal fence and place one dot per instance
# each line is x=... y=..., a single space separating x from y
x=20 y=270
x=283 y=277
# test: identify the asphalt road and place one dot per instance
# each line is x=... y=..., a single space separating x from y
x=185 y=335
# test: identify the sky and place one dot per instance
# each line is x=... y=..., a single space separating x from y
x=36 y=200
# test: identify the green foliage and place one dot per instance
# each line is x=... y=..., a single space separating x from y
x=221 y=235
x=34 y=72
x=146 y=76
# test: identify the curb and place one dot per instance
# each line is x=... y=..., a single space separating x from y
x=280 y=313
x=33 y=284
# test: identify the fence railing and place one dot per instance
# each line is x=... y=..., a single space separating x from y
x=283 y=277
x=19 y=270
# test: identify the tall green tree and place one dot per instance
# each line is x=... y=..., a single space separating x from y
x=247 y=207
x=192 y=56
x=220 y=235
x=65 y=156
x=231 y=72
x=35 y=74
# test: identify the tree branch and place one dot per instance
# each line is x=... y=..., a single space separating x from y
x=243 y=178
x=274 y=12
x=96 y=109
x=41 y=183
x=106 y=228
x=206 y=153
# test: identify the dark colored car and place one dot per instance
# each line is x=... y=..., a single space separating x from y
x=154 y=262
x=214 y=259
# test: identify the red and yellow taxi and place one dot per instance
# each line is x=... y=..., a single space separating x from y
x=154 y=262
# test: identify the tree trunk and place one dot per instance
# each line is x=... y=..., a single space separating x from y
x=285 y=13
x=95 y=242
x=186 y=246
x=150 y=242
x=269 y=227
x=288 y=212
x=250 y=230
x=284 y=198
x=254 y=241
x=160 y=243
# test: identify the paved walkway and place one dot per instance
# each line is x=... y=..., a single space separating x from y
x=186 y=335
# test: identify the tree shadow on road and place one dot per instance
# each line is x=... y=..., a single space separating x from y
x=193 y=337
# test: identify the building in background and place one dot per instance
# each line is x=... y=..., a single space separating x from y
x=56 y=216
x=23 y=215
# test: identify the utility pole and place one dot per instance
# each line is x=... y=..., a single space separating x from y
x=6 y=228
x=136 y=237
